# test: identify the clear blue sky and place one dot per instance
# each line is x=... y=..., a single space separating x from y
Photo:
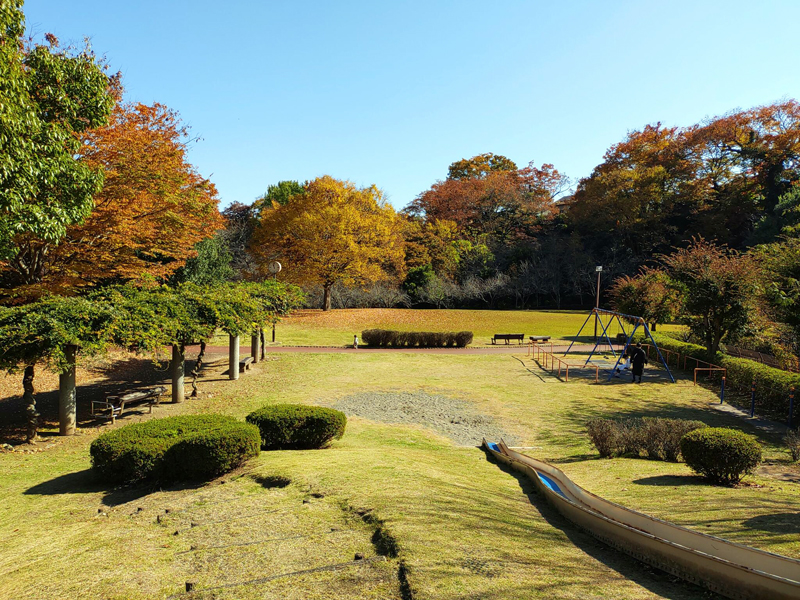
x=391 y=93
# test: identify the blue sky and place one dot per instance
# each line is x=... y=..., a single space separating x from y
x=391 y=93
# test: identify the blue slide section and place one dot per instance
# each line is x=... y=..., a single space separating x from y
x=550 y=483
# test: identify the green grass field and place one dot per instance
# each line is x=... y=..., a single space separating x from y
x=464 y=527
x=337 y=327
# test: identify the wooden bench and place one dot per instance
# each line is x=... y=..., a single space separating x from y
x=245 y=364
x=539 y=338
x=508 y=337
x=114 y=405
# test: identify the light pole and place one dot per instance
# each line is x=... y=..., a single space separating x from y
x=599 y=270
x=274 y=268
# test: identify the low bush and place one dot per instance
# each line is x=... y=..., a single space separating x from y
x=662 y=437
x=722 y=455
x=792 y=441
x=297 y=426
x=605 y=436
x=174 y=448
x=659 y=438
x=385 y=338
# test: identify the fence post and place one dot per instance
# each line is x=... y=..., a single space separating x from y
x=791 y=405
x=753 y=399
x=722 y=391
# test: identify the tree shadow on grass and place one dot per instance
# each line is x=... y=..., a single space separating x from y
x=654 y=580
x=670 y=480
x=785 y=523
x=86 y=482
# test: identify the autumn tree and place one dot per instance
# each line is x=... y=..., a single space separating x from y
x=650 y=294
x=718 y=290
x=480 y=166
x=48 y=97
x=503 y=204
x=152 y=210
x=332 y=232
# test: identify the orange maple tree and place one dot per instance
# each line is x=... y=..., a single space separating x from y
x=152 y=210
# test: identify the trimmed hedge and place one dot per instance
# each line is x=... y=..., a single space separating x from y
x=386 y=338
x=722 y=455
x=772 y=385
x=659 y=439
x=297 y=426
x=174 y=448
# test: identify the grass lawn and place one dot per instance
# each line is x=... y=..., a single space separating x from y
x=464 y=527
x=337 y=327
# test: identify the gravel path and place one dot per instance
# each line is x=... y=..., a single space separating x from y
x=454 y=418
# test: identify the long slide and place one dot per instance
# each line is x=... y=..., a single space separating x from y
x=730 y=569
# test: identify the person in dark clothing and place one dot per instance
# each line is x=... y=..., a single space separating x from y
x=638 y=361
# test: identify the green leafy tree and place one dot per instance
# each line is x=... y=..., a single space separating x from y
x=48 y=332
x=47 y=97
x=211 y=266
x=718 y=289
x=278 y=195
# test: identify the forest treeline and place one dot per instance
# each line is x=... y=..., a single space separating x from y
x=97 y=191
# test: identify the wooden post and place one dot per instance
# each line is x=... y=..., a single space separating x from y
x=255 y=346
x=67 y=396
x=178 y=359
x=233 y=357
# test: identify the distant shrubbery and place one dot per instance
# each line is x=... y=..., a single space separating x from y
x=657 y=438
x=722 y=455
x=297 y=426
x=174 y=448
x=384 y=338
x=772 y=385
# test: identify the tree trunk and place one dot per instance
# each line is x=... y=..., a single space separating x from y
x=196 y=371
x=653 y=327
x=67 y=396
x=263 y=342
x=326 y=297
x=233 y=357
x=178 y=358
x=30 y=401
x=255 y=347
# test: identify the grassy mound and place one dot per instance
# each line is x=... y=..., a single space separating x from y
x=175 y=448
x=297 y=426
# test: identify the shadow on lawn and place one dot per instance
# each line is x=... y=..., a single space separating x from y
x=785 y=523
x=671 y=480
x=654 y=580
x=85 y=482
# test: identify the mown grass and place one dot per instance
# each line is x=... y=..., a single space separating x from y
x=465 y=527
x=337 y=327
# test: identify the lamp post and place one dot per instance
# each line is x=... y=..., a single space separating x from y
x=274 y=268
x=599 y=270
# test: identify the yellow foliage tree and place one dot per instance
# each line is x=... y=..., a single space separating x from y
x=333 y=232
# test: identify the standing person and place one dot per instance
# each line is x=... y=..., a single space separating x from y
x=355 y=341
x=638 y=361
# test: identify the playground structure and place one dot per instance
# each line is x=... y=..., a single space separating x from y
x=733 y=570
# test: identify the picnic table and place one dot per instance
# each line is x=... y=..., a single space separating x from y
x=115 y=404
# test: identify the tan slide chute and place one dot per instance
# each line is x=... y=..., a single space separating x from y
x=733 y=570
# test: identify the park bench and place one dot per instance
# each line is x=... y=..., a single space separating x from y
x=520 y=337
x=115 y=405
x=539 y=338
x=245 y=364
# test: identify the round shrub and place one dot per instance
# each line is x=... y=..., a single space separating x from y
x=297 y=426
x=721 y=454
x=174 y=448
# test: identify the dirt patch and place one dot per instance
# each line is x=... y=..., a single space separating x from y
x=454 y=418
